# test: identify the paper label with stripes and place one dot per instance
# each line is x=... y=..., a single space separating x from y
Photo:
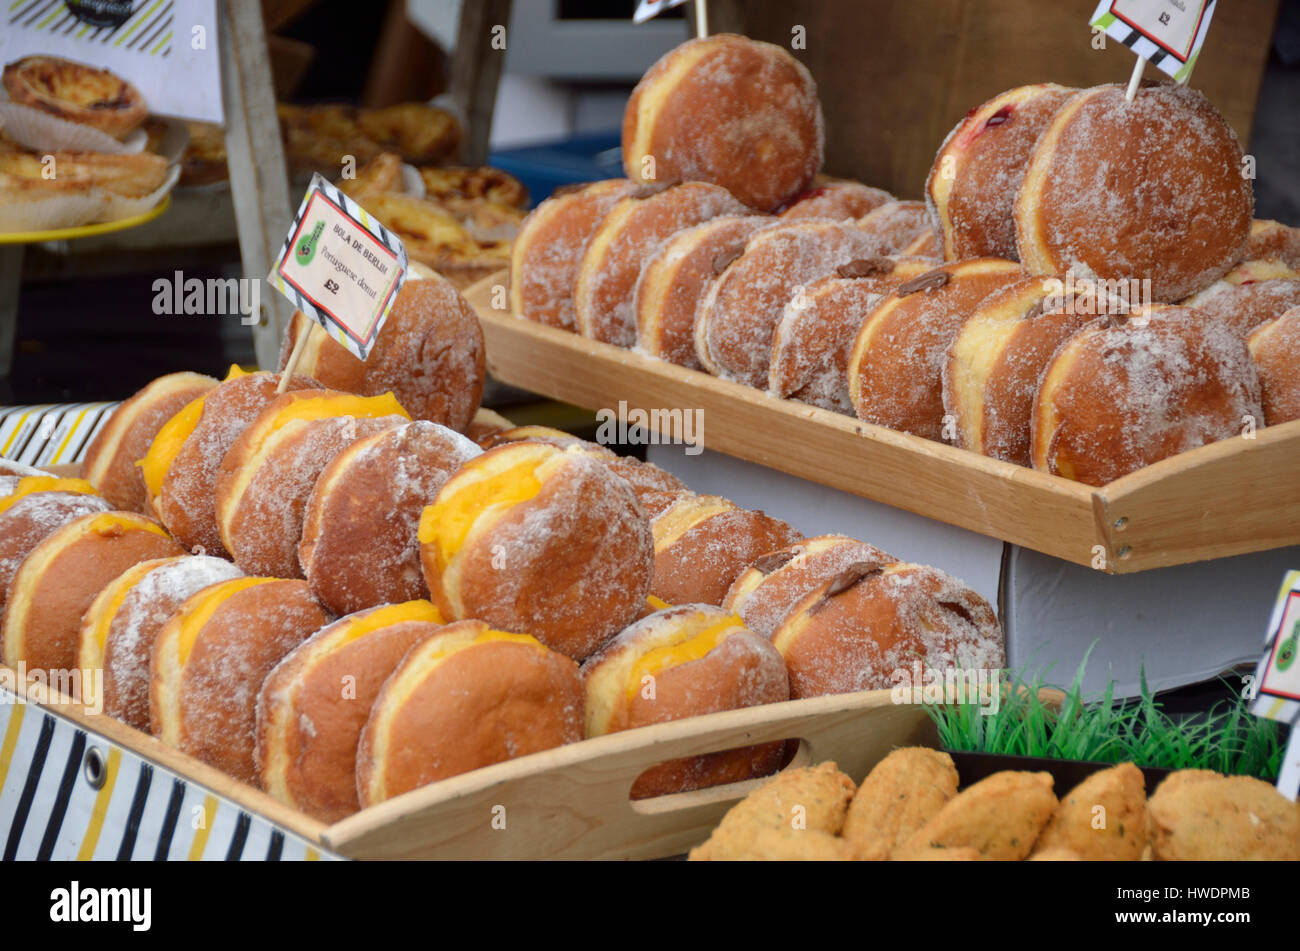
x=1166 y=33
x=69 y=793
x=340 y=267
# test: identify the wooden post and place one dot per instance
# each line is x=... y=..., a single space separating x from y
x=476 y=71
x=258 y=183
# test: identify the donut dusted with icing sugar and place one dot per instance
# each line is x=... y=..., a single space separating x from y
x=632 y=231
x=1273 y=348
x=1123 y=394
x=728 y=110
x=972 y=186
x=1149 y=190
x=839 y=201
x=546 y=253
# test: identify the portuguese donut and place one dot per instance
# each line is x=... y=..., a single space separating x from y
x=1273 y=348
x=28 y=518
x=839 y=201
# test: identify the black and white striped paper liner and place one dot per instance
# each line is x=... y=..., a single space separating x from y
x=363 y=218
x=52 y=433
x=51 y=810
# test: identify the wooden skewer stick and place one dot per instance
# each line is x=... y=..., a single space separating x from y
x=1135 y=80
x=299 y=345
x=701 y=19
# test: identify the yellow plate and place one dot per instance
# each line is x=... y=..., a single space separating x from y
x=85 y=231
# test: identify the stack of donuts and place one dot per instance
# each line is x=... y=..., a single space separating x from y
x=1083 y=310
x=336 y=595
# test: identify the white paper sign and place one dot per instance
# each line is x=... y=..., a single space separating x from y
x=649 y=9
x=1276 y=682
x=1166 y=33
x=167 y=50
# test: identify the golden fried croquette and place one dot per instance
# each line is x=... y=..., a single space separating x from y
x=1104 y=818
x=775 y=845
x=901 y=794
x=1000 y=816
x=1207 y=816
x=1055 y=854
x=812 y=798
x=936 y=854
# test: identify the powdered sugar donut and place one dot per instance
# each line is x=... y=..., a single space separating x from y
x=728 y=110
x=359 y=546
x=972 y=186
x=1243 y=307
x=268 y=474
x=25 y=521
x=1171 y=205
x=429 y=354
x=896 y=365
x=767 y=591
x=532 y=538
x=700 y=659
x=990 y=377
x=546 y=253
x=928 y=245
x=308 y=726
x=739 y=312
x=464 y=698
x=631 y=232
x=853 y=632
x=702 y=543
x=61 y=576
x=111 y=457
x=211 y=658
x=1273 y=348
x=119 y=627
x=180 y=468
x=1273 y=241
x=813 y=338
x=896 y=226
x=1123 y=394
x=674 y=280
x=838 y=201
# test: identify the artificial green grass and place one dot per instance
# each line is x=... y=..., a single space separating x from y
x=1227 y=739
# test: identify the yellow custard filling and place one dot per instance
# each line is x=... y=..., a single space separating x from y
x=30 y=485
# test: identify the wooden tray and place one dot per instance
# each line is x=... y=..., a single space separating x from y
x=1229 y=498
x=571 y=802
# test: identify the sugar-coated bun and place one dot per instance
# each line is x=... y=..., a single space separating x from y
x=703 y=542
x=463 y=698
x=485 y=424
x=1244 y=307
x=897 y=226
x=978 y=172
x=429 y=354
x=728 y=110
x=927 y=246
x=61 y=576
x=359 y=547
x=990 y=377
x=895 y=369
x=674 y=280
x=683 y=662
x=631 y=232
x=211 y=658
x=1274 y=348
x=27 y=518
x=189 y=449
x=119 y=627
x=815 y=334
x=530 y=537
x=267 y=476
x=1123 y=394
x=315 y=703
x=546 y=253
x=764 y=594
x=738 y=313
x=1273 y=241
x=1149 y=190
x=838 y=201
x=111 y=457
x=853 y=632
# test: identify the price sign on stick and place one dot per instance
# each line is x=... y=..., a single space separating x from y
x=1165 y=33
x=1277 y=677
x=340 y=267
x=649 y=9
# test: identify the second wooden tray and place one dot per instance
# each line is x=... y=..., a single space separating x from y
x=1229 y=498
